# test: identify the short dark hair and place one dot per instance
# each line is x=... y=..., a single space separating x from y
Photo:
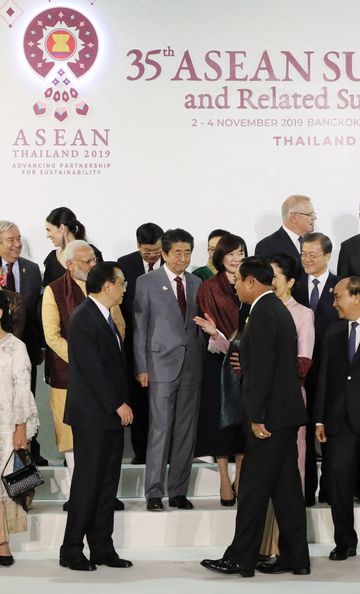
x=353 y=285
x=101 y=273
x=5 y=321
x=324 y=240
x=257 y=267
x=226 y=244
x=288 y=266
x=64 y=216
x=174 y=236
x=149 y=233
x=217 y=233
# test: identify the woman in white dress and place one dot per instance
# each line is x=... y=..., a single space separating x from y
x=18 y=422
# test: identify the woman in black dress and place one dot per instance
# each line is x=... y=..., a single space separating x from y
x=62 y=227
x=217 y=298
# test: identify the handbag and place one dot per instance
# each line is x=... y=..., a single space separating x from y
x=230 y=394
x=24 y=479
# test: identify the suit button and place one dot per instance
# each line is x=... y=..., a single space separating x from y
x=349 y=377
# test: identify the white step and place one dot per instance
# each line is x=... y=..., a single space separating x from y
x=207 y=525
x=204 y=481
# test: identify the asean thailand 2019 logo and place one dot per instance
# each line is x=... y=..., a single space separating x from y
x=60 y=45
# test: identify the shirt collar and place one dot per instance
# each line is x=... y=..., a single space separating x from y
x=258 y=298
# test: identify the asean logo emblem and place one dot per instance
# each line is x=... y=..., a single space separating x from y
x=61 y=45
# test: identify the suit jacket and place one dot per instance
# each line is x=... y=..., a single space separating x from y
x=98 y=382
x=271 y=390
x=30 y=289
x=349 y=257
x=161 y=336
x=277 y=243
x=337 y=398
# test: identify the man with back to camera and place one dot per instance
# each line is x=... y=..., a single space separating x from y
x=169 y=352
x=337 y=413
x=145 y=259
x=315 y=290
x=97 y=411
x=23 y=276
x=273 y=409
x=299 y=218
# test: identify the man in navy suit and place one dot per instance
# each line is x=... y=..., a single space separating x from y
x=146 y=258
x=23 y=276
x=316 y=290
x=337 y=412
x=298 y=217
x=97 y=411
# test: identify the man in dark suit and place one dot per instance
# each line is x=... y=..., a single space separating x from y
x=349 y=257
x=97 y=411
x=273 y=409
x=23 y=276
x=298 y=217
x=316 y=290
x=145 y=259
x=169 y=352
x=337 y=413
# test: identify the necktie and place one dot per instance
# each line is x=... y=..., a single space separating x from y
x=151 y=266
x=301 y=241
x=314 y=297
x=10 y=280
x=114 y=329
x=352 y=341
x=180 y=294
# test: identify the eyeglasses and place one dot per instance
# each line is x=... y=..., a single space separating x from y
x=88 y=262
x=154 y=252
x=122 y=284
x=311 y=215
x=311 y=256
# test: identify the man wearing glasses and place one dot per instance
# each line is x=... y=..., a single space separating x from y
x=145 y=259
x=299 y=218
x=316 y=291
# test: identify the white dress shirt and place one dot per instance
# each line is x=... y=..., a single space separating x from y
x=106 y=313
x=171 y=276
x=294 y=238
x=322 y=280
x=155 y=267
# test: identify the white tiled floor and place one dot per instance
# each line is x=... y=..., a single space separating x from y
x=174 y=570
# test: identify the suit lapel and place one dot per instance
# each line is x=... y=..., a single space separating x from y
x=167 y=291
x=106 y=327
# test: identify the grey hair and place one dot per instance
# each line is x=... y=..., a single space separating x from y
x=6 y=225
x=291 y=204
x=72 y=247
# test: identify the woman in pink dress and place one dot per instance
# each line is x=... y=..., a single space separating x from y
x=286 y=273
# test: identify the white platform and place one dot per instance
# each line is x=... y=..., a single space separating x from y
x=208 y=524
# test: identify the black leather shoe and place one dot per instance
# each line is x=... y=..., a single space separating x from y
x=80 y=564
x=342 y=553
x=310 y=501
x=279 y=567
x=323 y=497
x=118 y=505
x=66 y=506
x=40 y=461
x=112 y=560
x=6 y=560
x=181 y=502
x=154 y=504
x=226 y=567
x=138 y=460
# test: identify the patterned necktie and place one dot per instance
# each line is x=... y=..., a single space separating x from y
x=180 y=294
x=114 y=329
x=10 y=280
x=314 y=297
x=352 y=341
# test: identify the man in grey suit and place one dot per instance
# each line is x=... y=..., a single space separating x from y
x=169 y=351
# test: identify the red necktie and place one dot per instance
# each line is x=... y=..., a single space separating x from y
x=10 y=280
x=180 y=294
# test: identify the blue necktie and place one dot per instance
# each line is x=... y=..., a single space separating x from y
x=314 y=297
x=352 y=341
x=114 y=329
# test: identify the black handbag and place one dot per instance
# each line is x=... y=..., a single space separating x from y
x=24 y=479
